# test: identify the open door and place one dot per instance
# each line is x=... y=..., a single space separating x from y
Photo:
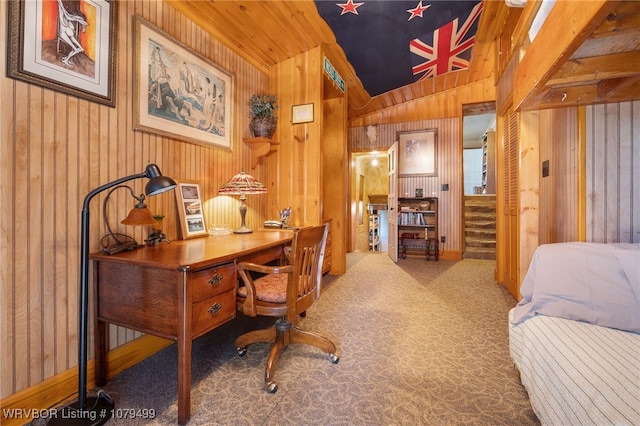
x=393 y=203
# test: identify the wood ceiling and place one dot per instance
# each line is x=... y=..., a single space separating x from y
x=586 y=53
x=600 y=62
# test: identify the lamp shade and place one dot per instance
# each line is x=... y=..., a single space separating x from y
x=139 y=216
x=157 y=182
x=242 y=183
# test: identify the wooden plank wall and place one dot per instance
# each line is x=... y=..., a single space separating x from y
x=449 y=168
x=613 y=172
x=559 y=144
x=53 y=150
x=447 y=103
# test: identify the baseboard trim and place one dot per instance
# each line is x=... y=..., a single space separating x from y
x=451 y=255
x=64 y=386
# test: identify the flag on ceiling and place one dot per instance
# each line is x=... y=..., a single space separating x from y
x=393 y=43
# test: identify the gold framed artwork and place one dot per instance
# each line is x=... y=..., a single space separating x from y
x=177 y=92
x=302 y=114
x=417 y=153
x=65 y=46
x=190 y=210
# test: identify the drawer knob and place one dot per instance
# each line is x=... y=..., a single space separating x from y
x=215 y=308
x=215 y=279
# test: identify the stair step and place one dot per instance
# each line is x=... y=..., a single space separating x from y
x=480 y=242
x=478 y=253
x=480 y=224
x=480 y=216
x=480 y=198
x=480 y=233
x=480 y=227
x=479 y=208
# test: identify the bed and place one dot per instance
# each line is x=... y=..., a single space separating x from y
x=575 y=335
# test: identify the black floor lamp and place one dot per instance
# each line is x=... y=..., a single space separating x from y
x=96 y=411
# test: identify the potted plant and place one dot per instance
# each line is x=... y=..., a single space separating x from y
x=263 y=115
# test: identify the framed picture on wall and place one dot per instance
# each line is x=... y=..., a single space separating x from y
x=190 y=210
x=417 y=153
x=177 y=92
x=65 y=46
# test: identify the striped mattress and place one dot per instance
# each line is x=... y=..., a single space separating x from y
x=578 y=373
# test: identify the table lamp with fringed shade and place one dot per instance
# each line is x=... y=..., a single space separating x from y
x=242 y=184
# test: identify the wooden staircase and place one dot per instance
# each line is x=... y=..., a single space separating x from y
x=479 y=227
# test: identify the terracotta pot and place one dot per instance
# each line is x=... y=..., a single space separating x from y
x=264 y=127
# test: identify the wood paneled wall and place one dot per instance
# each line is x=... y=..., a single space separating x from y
x=613 y=173
x=609 y=151
x=449 y=170
x=447 y=103
x=559 y=192
x=53 y=150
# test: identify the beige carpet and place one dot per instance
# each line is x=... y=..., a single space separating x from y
x=419 y=343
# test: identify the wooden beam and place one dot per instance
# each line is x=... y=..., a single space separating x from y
x=596 y=69
x=608 y=91
x=568 y=25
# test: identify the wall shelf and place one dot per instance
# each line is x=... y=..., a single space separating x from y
x=260 y=147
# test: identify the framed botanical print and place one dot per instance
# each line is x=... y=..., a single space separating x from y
x=190 y=210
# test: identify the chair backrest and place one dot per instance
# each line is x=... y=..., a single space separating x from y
x=307 y=255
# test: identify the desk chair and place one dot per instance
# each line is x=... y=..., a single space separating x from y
x=285 y=292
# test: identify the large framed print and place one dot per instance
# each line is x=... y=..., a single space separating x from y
x=64 y=45
x=177 y=92
x=417 y=153
x=190 y=210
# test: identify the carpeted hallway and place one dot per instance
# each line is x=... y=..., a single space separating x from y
x=419 y=343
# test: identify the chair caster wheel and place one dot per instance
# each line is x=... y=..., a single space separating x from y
x=272 y=387
x=241 y=351
x=334 y=358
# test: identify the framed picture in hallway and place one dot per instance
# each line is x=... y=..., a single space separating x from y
x=417 y=153
x=177 y=92
x=65 y=45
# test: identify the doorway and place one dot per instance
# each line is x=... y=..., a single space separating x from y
x=368 y=204
x=479 y=170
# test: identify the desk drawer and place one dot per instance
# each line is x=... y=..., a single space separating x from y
x=213 y=281
x=210 y=313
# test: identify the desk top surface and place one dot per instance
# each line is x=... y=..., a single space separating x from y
x=199 y=252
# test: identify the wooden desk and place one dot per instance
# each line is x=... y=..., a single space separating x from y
x=178 y=291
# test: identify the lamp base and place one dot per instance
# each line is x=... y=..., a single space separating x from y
x=97 y=412
x=243 y=230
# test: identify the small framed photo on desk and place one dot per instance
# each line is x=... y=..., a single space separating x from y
x=190 y=210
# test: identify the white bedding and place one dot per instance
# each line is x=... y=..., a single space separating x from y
x=591 y=282
x=577 y=373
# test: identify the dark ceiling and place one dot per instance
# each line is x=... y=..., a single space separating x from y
x=392 y=44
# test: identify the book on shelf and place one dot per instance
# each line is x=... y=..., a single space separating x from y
x=409 y=218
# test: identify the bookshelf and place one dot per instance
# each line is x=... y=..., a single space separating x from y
x=374 y=232
x=418 y=227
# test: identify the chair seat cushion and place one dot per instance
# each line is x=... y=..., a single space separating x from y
x=270 y=288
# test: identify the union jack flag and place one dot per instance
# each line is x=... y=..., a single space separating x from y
x=449 y=50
